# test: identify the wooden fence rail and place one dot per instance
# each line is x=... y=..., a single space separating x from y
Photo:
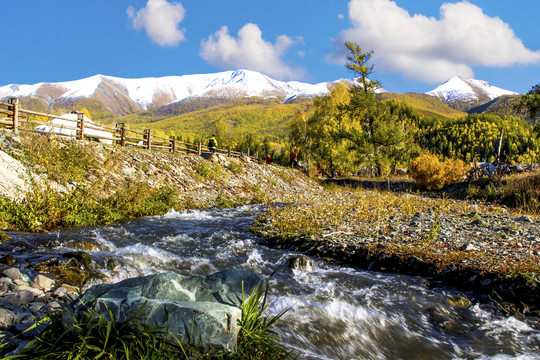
x=13 y=118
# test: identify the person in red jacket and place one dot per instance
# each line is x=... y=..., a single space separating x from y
x=268 y=159
x=292 y=162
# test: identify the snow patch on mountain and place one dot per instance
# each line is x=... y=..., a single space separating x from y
x=468 y=90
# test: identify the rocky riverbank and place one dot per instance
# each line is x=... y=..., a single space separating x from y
x=487 y=250
x=26 y=297
x=199 y=181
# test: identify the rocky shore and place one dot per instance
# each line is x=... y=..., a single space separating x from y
x=200 y=181
x=27 y=297
x=486 y=250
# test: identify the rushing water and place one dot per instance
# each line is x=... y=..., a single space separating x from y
x=334 y=312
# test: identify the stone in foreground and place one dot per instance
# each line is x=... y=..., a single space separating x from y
x=203 y=310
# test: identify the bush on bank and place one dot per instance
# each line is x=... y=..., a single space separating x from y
x=45 y=208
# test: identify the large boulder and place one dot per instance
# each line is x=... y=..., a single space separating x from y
x=204 y=310
x=216 y=157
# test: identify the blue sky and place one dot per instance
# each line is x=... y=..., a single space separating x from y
x=418 y=44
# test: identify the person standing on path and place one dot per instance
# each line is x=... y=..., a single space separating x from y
x=212 y=144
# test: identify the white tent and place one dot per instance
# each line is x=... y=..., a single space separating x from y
x=67 y=125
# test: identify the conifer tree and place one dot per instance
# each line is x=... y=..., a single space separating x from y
x=381 y=133
x=531 y=101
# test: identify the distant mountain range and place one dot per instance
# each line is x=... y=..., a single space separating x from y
x=121 y=96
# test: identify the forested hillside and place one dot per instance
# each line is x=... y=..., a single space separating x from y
x=477 y=137
x=229 y=120
x=353 y=127
x=425 y=105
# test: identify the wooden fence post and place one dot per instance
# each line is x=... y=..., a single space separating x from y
x=248 y=152
x=229 y=151
x=172 y=142
x=199 y=148
x=148 y=137
x=122 y=128
x=80 y=125
x=15 y=103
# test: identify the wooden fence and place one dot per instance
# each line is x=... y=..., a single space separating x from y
x=13 y=118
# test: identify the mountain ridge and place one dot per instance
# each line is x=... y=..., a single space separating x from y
x=121 y=96
x=144 y=93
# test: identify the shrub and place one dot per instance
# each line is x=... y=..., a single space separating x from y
x=45 y=208
x=202 y=169
x=61 y=162
x=523 y=193
x=236 y=167
x=429 y=172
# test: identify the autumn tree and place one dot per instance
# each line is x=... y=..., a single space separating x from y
x=315 y=133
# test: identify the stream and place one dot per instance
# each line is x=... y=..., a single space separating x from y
x=334 y=312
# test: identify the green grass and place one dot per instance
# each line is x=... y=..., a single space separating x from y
x=63 y=197
x=46 y=208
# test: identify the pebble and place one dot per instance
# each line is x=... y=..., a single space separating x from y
x=468 y=247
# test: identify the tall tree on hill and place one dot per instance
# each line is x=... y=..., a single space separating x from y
x=380 y=134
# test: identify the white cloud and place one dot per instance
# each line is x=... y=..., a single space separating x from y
x=160 y=20
x=431 y=49
x=250 y=51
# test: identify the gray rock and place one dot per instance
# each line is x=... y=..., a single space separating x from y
x=61 y=291
x=477 y=222
x=20 y=282
x=36 y=306
x=52 y=306
x=44 y=283
x=468 y=247
x=19 y=349
x=13 y=273
x=524 y=218
x=204 y=309
x=302 y=263
x=216 y=157
x=34 y=291
x=5 y=336
x=18 y=298
x=7 y=318
x=6 y=285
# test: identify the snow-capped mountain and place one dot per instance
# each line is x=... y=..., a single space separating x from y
x=470 y=91
x=123 y=96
